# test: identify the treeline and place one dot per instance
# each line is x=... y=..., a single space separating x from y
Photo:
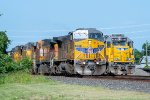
x=7 y=64
x=139 y=54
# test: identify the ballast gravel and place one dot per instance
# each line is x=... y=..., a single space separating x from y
x=108 y=83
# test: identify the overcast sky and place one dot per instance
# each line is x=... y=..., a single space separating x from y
x=32 y=20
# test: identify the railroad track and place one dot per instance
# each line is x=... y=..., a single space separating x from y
x=131 y=83
x=117 y=77
x=128 y=77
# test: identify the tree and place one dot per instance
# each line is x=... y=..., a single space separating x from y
x=4 y=42
x=144 y=49
x=138 y=55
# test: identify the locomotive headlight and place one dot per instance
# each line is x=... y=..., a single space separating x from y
x=97 y=63
x=83 y=63
x=116 y=59
x=89 y=41
x=129 y=59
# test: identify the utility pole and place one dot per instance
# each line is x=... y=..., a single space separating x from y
x=146 y=54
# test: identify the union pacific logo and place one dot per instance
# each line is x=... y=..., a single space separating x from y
x=89 y=50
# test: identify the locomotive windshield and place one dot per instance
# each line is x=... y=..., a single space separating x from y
x=119 y=41
x=130 y=44
x=97 y=36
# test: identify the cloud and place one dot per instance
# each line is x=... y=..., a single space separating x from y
x=140 y=37
x=29 y=36
x=123 y=27
x=37 y=31
x=129 y=32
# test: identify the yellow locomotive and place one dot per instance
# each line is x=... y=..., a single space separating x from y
x=119 y=54
x=89 y=58
x=16 y=53
x=28 y=50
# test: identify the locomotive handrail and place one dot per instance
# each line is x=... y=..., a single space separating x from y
x=78 y=56
x=51 y=59
x=101 y=54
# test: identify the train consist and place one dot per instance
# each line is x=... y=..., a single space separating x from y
x=85 y=51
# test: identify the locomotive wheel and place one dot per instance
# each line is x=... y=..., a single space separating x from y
x=35 y=70
x=53 y=70
x=71 y=69
x=66 y=68
x=57 y=70
x=43 y=69
x=99 y=70
x=40 y=69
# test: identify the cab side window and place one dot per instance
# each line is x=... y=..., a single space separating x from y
x=130 y=44
x=96 y=36
x=108 y=44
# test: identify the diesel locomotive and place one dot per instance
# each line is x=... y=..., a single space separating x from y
x=16 y=53
x=85 y=51
x=119 y=54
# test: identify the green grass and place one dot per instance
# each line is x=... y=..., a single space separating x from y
x=23 y=86
x=22 y=77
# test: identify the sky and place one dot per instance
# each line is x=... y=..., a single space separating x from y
x=33 y=20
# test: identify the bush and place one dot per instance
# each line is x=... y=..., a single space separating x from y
x=3 y=65
x=8 y=65
x=25 y=63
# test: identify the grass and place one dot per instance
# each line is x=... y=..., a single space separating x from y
x=23 y=86
x=22 y=77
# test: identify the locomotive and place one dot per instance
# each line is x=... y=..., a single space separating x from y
x=85 y=51
x=80 y=52
x=119 y=54
x=16 y=53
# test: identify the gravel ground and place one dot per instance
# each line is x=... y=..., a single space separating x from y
x=108 y=83
x=141 y=72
